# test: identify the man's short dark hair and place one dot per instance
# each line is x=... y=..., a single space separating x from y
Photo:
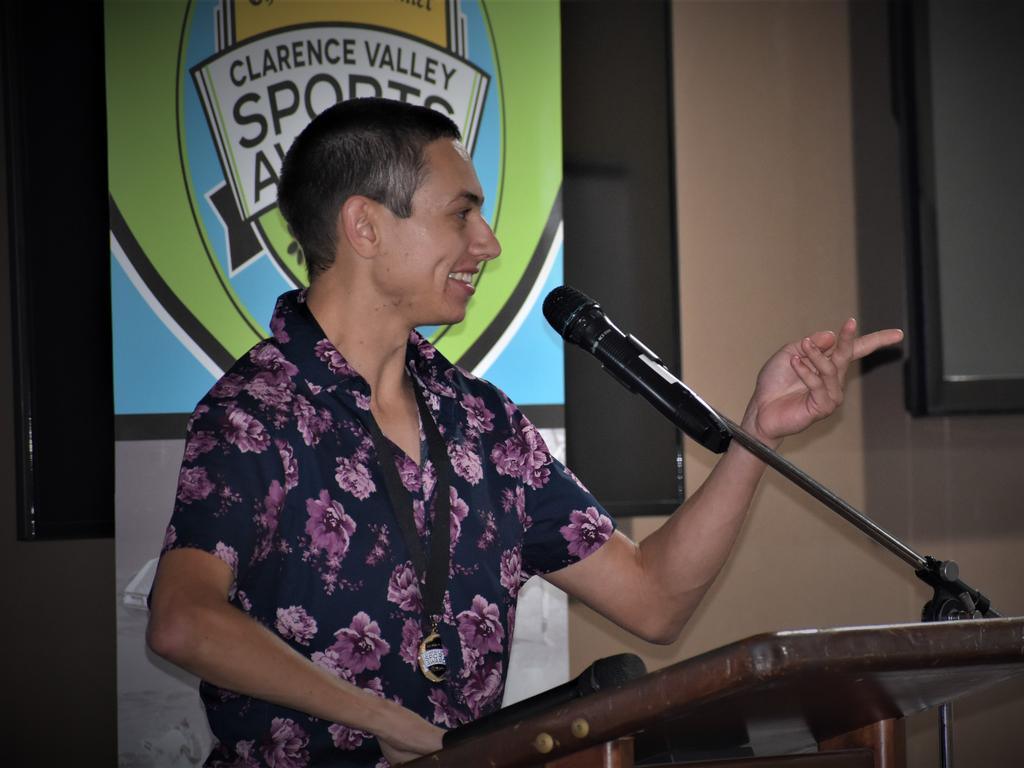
x=370 y=147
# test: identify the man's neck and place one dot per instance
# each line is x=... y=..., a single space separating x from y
x=373 y=341
x=369 y=336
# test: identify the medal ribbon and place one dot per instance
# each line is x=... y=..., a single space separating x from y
x=433 y=576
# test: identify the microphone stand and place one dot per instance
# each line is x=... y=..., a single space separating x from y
x=952 y=598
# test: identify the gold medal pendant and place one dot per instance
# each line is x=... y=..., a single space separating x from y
x=433 y=657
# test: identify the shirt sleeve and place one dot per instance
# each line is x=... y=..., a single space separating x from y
x=231 y=487
x=563 y=521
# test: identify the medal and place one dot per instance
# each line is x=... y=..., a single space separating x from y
x=433 y=657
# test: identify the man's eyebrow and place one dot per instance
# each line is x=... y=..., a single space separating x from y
x=470 y=197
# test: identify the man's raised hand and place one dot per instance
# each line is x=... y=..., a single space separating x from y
x=804 y=381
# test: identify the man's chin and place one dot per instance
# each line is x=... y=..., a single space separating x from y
x=453 y=315
x=449 y=313
x=453 y=320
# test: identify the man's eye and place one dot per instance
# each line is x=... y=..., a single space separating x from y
x=464 y=214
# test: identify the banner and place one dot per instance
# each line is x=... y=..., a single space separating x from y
x=203 y=101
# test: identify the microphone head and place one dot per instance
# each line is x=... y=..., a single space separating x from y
x=563 y=306
x=576 y=316
x=614 y=670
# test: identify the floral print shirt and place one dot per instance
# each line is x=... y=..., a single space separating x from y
x=280 y=480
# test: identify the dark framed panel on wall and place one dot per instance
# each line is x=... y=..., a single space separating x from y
x=958 y=73
x=620 y=244
x=55 y=137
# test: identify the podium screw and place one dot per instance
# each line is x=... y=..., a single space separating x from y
x=580 y=728
x=544 y=743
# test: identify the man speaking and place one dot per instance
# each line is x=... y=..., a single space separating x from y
x=355 y=514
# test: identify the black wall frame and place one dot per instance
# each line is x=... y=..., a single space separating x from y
x=620 y=243
x=55 y=130
x=931 y=388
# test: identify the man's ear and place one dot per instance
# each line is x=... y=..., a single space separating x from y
x=359 y=223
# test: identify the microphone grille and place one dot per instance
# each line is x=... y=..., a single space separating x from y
x=562 y=306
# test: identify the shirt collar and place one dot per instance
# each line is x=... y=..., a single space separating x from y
x=303 y=341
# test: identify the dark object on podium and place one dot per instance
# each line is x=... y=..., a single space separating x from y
x=835 y=695
x=599 y=676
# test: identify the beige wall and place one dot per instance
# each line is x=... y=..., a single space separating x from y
x=766 y=223
x=768 y=251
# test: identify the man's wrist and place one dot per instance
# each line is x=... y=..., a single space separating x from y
x=390 y=721
x=364 y=711
x=749 y=424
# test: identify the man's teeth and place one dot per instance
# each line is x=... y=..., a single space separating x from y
x=466 y=277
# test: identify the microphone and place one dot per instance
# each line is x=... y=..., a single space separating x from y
x=602 y=674
x=579 y=319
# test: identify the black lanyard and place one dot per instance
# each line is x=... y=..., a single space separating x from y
x=433 y=576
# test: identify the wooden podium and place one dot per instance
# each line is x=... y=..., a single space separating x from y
x=830 y=698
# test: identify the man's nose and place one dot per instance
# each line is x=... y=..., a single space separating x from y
x=486 y=245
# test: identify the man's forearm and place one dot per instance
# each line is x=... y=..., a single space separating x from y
x=199 y=631
x=681 y=559
x=656 y=586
